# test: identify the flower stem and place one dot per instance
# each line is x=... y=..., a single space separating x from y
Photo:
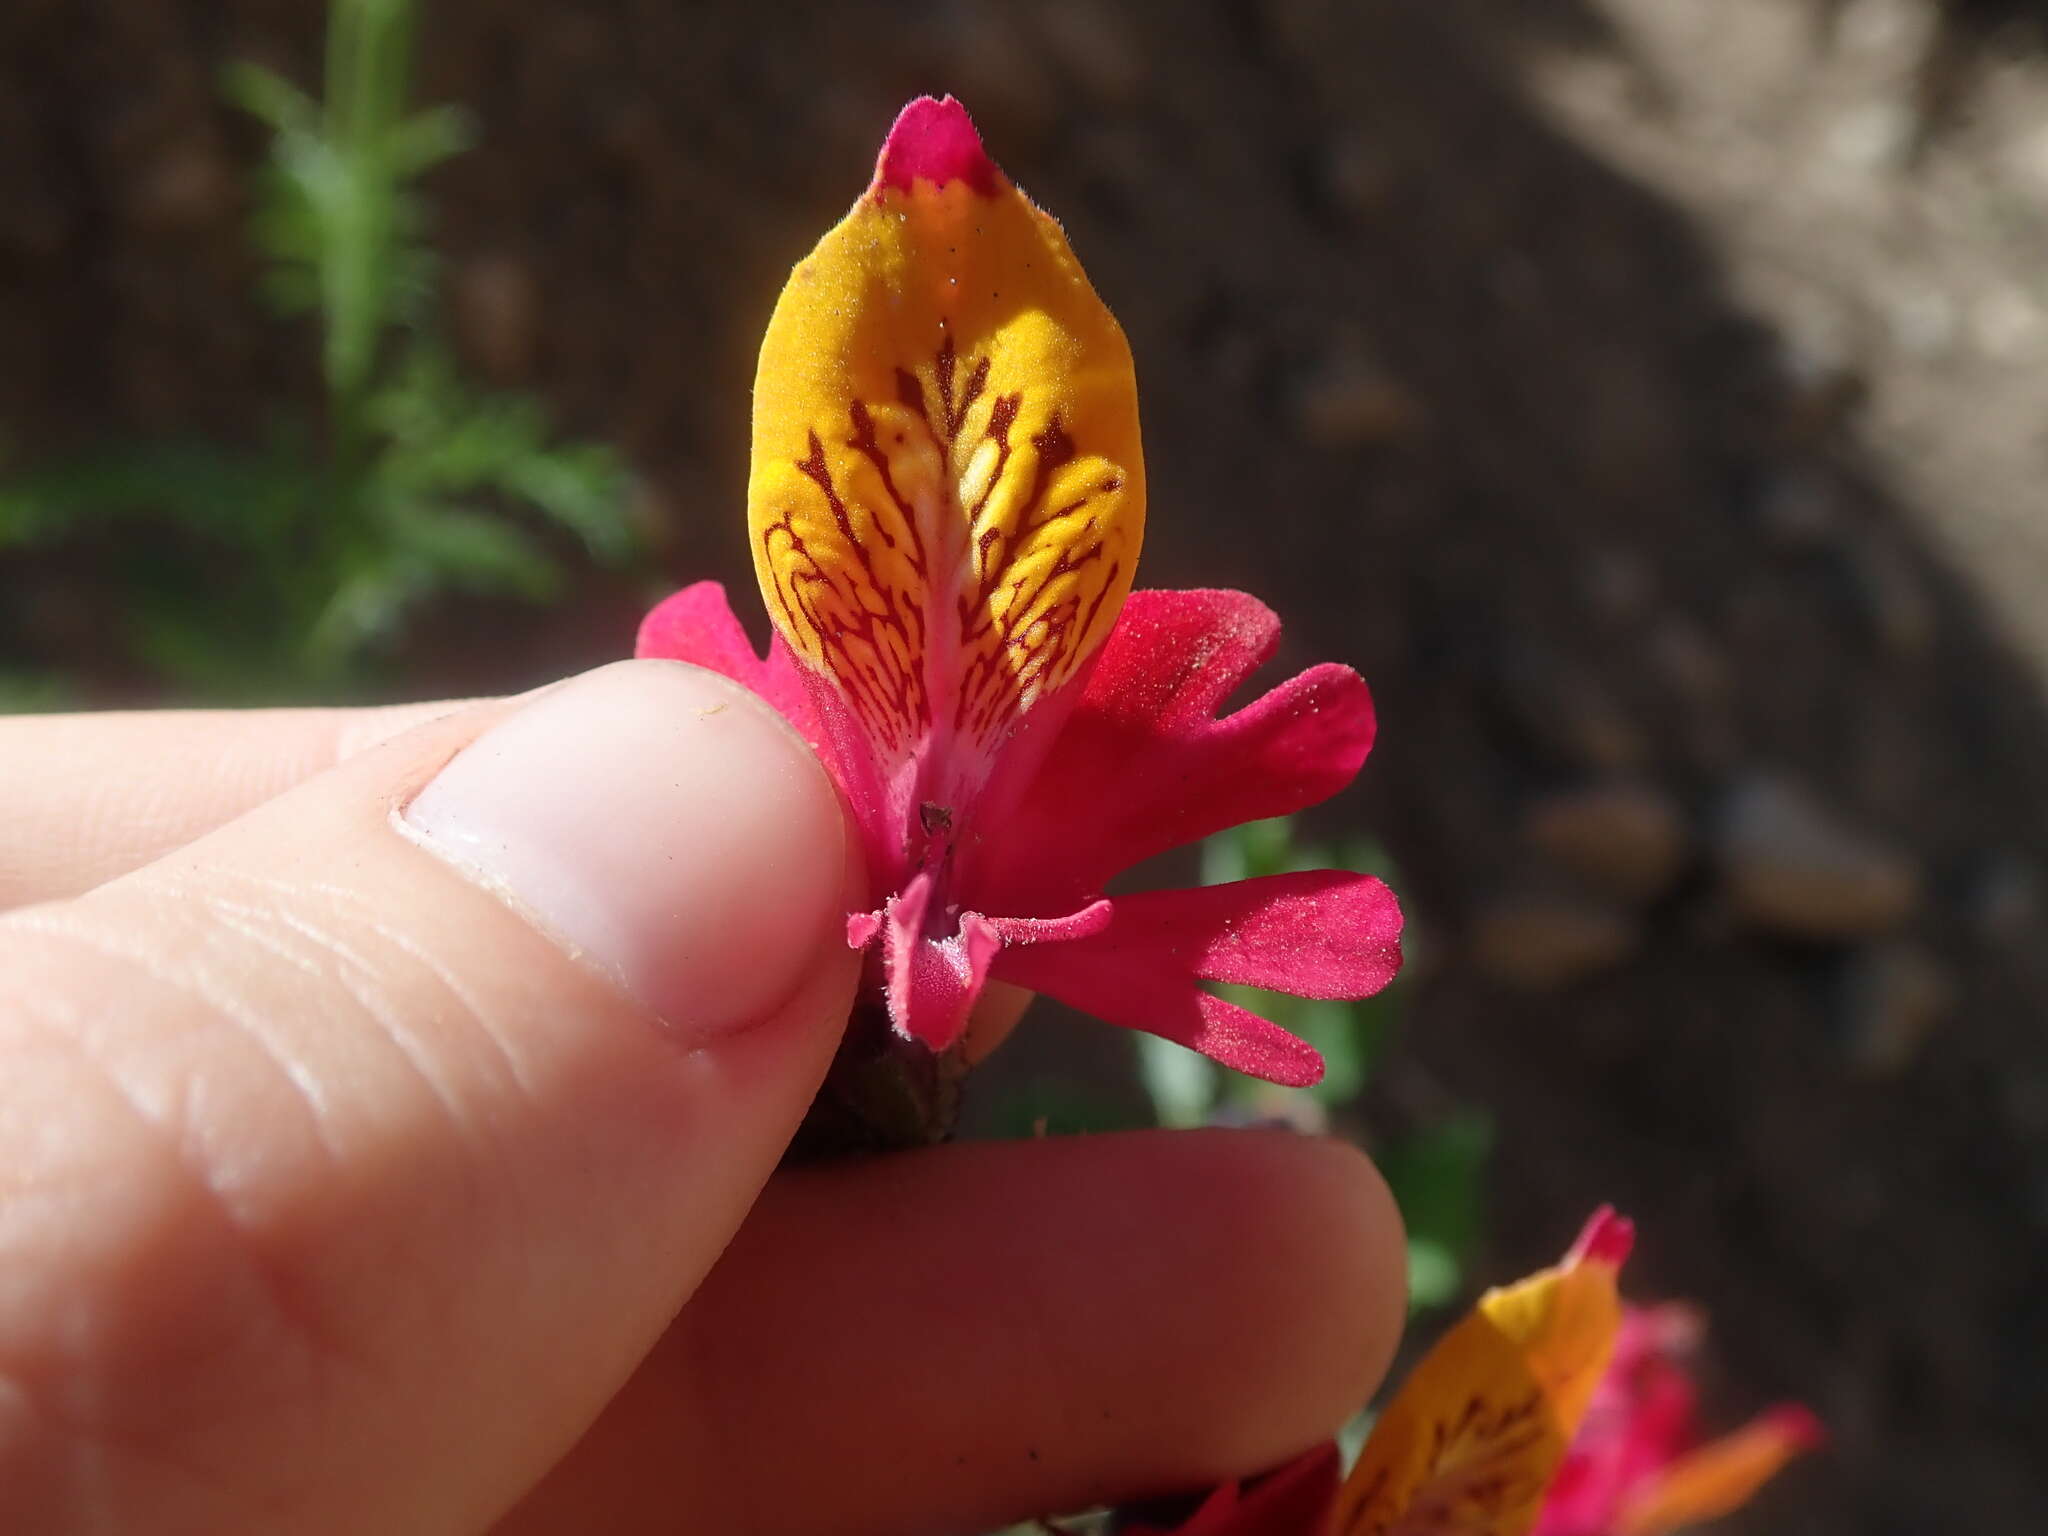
x=883 y=1093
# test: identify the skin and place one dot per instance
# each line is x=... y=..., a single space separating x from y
x=336 y=1194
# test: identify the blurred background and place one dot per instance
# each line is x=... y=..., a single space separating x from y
x=1649 y=396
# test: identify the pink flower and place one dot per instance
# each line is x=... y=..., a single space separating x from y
x=946 y=504
x=1637 y=1466
x=1551 y=1408
x=1008 y=883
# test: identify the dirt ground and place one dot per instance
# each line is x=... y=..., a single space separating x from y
x=1646 y=394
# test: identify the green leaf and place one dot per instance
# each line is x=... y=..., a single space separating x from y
x=476 y=552
x=1181 y=1084
x=1438 y=1178
x=265 y=94
x=1435 y=1276
x=1349 y=1039
x=427 y=138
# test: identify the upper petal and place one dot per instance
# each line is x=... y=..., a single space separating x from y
x=947 y=494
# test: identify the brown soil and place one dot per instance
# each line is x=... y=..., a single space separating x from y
x=1643 y=390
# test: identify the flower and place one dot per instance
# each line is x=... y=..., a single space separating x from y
x=946 y=506
x=1549 y=1409
x=1638 y=1467
x=1471 y=1441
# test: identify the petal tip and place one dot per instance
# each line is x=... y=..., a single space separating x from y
x=934 y=140
x=1797 y=1426
x=1606 y=1239
x=1304 y=1072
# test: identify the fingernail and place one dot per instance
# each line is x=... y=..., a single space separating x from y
x=663 y=825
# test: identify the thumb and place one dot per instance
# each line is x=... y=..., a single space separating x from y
x=354 y=1154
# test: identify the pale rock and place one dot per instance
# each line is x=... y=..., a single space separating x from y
x=1790 y=865
x=1625 y=839
x=1347 y=402
x=1537 y=941
x=1570 y=716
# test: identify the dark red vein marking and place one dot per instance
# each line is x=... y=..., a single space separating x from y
x=969 y=393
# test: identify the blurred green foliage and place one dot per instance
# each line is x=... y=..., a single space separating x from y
x=1437 y=1171
x=245 y=574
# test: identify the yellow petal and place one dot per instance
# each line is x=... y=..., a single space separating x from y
x=1470 y=1443
x=947 y=495
x=1721 y=1476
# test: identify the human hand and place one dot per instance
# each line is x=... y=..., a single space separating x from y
x=354 y=1178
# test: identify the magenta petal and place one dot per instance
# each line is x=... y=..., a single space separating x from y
x=1322 y=933
x=1142 y=765
x=697 y=625
x=932 y=983
x=1325 y=934
x=1084 y=924
x=1173 y=1008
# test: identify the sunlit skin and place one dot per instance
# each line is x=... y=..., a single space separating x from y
x=126 y=831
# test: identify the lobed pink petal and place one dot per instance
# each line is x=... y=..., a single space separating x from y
x=1173 y=1008
x=697 y=625
x=1143 y=764
x=1325 y=934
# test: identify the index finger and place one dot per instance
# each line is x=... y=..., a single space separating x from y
x=89 y=797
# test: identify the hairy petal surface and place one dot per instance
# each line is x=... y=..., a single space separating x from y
x=1143 y=764
x=1325 y=934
